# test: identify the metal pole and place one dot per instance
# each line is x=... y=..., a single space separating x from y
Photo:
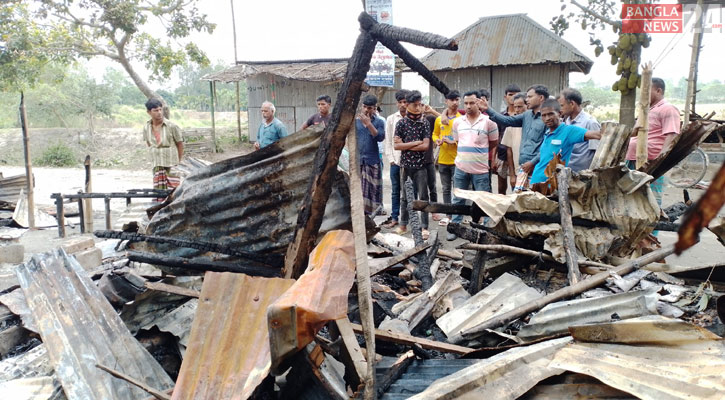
x=28 y=164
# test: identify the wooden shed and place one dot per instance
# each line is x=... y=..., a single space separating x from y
x=292 y=86
x=500 y=50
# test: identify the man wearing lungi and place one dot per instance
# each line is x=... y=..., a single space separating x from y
x=370 y=129
x=165 y=143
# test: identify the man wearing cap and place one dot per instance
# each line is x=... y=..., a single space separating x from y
x=369 y=130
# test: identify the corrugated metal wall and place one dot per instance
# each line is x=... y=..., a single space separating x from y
x=553 y=76
x=295 y=100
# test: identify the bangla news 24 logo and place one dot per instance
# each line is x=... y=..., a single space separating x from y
x=672 y=18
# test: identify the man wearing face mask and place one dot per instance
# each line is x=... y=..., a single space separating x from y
x=412 y=138
x=370 y=129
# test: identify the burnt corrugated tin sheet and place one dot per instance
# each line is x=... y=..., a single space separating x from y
x=80 y=329
x=228 y=353
x=312 y=70
x=250 y=202
x=418 y=375
x=507 y=40
x=556 y=318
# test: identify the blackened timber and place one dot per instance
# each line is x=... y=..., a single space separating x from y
x=422 y=271
x=414 y=64
x=191 y=244
x=202 y=264
x=473 y=234
x=413 y=36
x=567 y=227
x=312 y=210
x=441 y=208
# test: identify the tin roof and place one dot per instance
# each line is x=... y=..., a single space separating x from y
x=513 y=39
x=320 y=70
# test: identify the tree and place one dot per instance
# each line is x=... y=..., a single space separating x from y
x=115 y=29
x=23 y=47
x=625 y=52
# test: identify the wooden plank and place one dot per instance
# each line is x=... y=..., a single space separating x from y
x=642 y=115
x=567 y=228
x=364 y=291
x=165 y=287
x=401 y=338
x=351 y=352
x=399 y=258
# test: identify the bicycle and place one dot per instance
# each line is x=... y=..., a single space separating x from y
x=690 y=171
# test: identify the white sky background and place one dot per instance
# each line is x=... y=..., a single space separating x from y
x=294 y=29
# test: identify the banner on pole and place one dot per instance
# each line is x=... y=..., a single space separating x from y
x=382 y=64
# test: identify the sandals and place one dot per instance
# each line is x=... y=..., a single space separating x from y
x=444 y=221
x=425 y=233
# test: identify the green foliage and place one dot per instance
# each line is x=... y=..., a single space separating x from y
x=57 y=155
x=194 y=93
x=110 y=28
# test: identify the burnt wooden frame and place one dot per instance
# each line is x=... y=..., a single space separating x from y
x=333 y=138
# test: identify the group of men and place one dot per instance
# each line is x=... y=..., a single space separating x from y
x=466 y=145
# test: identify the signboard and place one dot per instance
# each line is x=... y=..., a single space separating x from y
x=382 y=64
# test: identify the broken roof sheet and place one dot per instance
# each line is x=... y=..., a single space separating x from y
x=502 y=40
x=81 y=329
x=228 y=352
x=250 y=202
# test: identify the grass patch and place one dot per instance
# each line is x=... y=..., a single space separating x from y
x=57 y=155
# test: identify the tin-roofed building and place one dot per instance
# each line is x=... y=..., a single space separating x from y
x=292 y=86
x=499 y=50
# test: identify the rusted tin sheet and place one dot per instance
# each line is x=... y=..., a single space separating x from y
x=556 y=318
x=80 y=329
x=250 y=202
x=228 y=350
x=648 y=329
x=318 y=296
x=689 y=370
x=513 y=39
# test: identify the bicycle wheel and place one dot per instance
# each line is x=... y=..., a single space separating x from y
x=690 y=171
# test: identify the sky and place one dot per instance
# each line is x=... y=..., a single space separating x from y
x=293 y=29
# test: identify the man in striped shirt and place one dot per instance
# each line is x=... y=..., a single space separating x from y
x=475 y=134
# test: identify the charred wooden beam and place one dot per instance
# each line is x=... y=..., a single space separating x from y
x=394 y=372
x=413 y=36
x=414 y=64
x=400 y=258
x=567 y=227
x=422 y=271
x=312 y=210
x=191 y=244
x=202 y=264
x=475 y=232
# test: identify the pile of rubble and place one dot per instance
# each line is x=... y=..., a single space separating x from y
x=260 y=277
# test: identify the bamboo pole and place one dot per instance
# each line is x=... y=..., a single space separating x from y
x=503 y=248
x=642 y=115
x=692 y=76
x=561 y=294
x=364 y=291
x=88 y=203
x=212 y=89
x=28 y=163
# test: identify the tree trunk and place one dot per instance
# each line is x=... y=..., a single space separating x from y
x=626 y=108
x=140 y=83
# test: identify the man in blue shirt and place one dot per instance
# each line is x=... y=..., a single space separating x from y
x=271 y=129
x=558 y=139
x=532 y=125
x=369 y=130
x=582 y=155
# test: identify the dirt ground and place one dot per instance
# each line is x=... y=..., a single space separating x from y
x=70 y=180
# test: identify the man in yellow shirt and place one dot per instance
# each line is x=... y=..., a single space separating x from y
x=448 y=148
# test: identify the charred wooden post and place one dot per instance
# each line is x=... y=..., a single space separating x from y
x=479 y=266
x=107 y=206
x=81 y=214
x=333 y=139
x=312 y=210
x=59 y=213
x=567 y=228
x=422 y=270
